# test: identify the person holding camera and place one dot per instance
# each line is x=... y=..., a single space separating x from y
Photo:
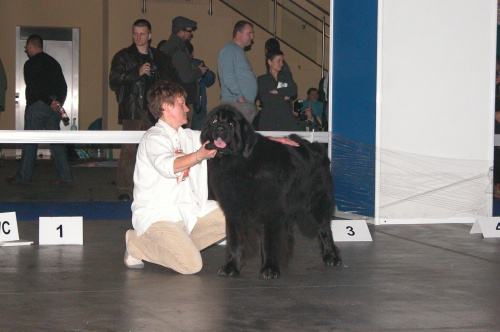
x=134 y=70
x=277 y=90
x=309 y=112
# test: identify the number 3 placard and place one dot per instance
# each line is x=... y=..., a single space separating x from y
x=350 y=230
x=61 y=230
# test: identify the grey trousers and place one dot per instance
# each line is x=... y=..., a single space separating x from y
x=247 y=109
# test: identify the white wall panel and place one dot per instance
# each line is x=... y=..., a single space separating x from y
x=435 y=106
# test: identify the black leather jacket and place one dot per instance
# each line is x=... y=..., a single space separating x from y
x=125 y=81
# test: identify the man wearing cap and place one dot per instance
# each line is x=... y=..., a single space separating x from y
x=176 y=51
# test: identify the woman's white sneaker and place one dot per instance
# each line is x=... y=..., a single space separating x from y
x=131 y=262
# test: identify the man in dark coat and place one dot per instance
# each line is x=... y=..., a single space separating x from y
x=175 y=50
x=133 y=71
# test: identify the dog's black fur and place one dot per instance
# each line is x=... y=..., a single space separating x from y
x=263 y=187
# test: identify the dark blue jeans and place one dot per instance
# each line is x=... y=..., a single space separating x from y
x=40 y=116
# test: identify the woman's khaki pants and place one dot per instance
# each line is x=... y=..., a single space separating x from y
x=168 y=243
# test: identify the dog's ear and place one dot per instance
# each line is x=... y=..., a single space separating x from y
x=205 y=129
x=249 y=137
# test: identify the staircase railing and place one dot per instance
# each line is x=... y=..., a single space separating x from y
x=305 y=16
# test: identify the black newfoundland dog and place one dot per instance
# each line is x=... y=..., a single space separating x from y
x=264 y=187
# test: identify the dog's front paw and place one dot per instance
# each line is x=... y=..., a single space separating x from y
x=330 y=260
x=229 y=270
x=270 y=273
x=210 y=146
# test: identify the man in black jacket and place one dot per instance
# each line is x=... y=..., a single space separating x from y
x=133 y=71
x=176 y=51
x=46 y=91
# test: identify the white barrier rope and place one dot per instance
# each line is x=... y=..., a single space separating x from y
x=113 y=136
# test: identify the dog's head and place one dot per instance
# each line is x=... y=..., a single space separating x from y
x=228 y=132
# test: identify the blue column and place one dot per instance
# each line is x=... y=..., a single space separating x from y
x=353 y=104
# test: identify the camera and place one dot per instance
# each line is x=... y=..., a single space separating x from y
x=297 y=108
x=152 y=68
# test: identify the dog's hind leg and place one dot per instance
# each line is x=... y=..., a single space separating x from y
x=331 y=253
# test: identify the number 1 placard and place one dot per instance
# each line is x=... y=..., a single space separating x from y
x=61 y=230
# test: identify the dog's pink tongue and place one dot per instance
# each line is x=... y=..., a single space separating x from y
x=220 y=143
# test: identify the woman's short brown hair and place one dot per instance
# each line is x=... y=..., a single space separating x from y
x=163 y=92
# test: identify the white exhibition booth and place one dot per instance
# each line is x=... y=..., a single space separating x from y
x=434 y=110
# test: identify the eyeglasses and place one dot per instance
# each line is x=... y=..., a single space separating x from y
x=190 y=31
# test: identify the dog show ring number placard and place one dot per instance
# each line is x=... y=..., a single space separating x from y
x=8 y=227
x=350 y=230
x=61 y=230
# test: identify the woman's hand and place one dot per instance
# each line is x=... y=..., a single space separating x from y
x=283 y=140
x=187 y=161
x=203 y=153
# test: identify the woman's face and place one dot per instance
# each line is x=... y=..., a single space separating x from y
x=276 y=63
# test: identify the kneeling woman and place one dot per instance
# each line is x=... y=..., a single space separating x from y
x=172 y=217
x=276 y=92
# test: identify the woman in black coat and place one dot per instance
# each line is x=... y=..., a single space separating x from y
x=276 y=92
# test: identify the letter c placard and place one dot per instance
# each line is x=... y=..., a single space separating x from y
x=8 y=227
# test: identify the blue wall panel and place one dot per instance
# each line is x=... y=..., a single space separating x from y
x=353 y=104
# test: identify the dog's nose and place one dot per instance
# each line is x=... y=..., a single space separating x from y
x=220 y=130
